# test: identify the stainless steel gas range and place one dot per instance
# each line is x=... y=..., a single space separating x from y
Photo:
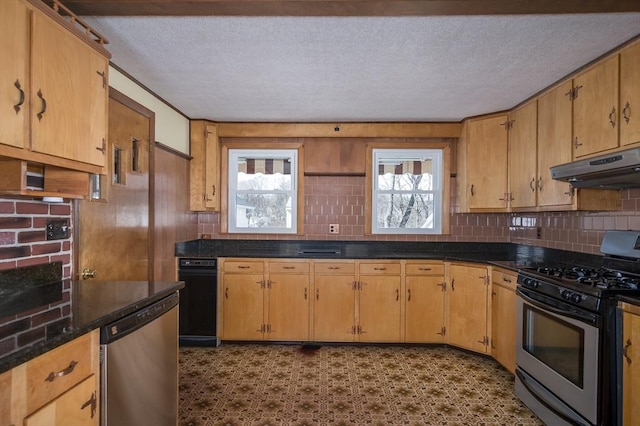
x=567 y=371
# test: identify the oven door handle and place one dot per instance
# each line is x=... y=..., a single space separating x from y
x=566 y=311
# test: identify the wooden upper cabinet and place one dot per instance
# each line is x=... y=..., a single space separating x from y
x=630 y=95
x=325 y=156
x=204 y=167
x=14 y=73
x=523 y=173
x=595 y=109
x=69 y=94
x=554 y=144
x=487 y=159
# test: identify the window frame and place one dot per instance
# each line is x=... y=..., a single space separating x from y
x=228 y=193
x=402 y=150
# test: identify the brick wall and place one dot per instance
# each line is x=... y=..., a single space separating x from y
x=340 y=200
x=22 y=243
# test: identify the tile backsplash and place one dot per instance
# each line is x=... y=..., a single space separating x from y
x=340 y=199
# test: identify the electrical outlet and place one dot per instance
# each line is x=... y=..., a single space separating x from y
x=57 y=229
x=334 y=228
x=539 y=233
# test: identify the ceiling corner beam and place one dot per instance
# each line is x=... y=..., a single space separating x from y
x=344 y=7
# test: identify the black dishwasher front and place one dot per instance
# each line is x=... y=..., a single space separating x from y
x=198 y=302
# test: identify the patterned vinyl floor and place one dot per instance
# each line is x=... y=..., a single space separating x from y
x=272 y=384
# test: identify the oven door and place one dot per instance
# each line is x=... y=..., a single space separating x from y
x=557 y=358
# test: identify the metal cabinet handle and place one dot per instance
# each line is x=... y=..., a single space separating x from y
x=52 y=376
x=540 y=183
x=576 y=143
x=21 y=100
x=397 y=294
x=379 y=269
x=473 y=191
x=625 y=351
x=226 y=292
x=408 y=295
x=88 y=273
x=92 y=402
x=44 y=105
x=305 y=293
x=288 y=267
x=243 y=267
x=453 y=282
x=532 y=184
x=626 y=113
x=103 y=148
x=213 y=190
x=612 y=118
x=317 y=294
x=424 y=269
x=507 y=280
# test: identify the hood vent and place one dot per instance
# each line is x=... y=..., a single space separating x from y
x=612 y=171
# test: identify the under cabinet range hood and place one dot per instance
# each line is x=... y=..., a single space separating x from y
x=618 y=170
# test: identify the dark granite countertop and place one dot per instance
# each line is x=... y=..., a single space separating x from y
x=93 y=304
x=507 y=255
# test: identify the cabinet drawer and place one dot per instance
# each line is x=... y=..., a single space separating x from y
x=504 y=279
x=289 y=267
x=244 y=266
x=424 y=268
x=78 y=406
x=379 y=268
x=53 y=373
x=334 y=268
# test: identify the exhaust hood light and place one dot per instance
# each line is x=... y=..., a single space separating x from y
x=53 y=199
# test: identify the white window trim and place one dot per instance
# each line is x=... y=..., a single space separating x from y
x=234 y=156
x=437 y=180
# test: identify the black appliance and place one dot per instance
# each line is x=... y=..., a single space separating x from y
x=566 y=334
x=198 y=302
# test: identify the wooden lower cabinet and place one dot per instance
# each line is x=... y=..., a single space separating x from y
x=260 y=305
x=334 y=301
x=630 y=363
x=503 y=318
x=424 y=302
x=378 y=314
x=59 y=387
x=467 y=306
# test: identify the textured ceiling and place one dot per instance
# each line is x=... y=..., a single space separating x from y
x=325 y=69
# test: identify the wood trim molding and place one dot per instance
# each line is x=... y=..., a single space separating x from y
x=167 y=148
x=344 y=7
x=340 y=130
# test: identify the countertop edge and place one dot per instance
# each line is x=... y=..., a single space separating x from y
x=28 y=353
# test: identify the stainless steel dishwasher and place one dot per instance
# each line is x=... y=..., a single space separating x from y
x=139 y=367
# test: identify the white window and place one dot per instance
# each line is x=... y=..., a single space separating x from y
x=407 y=191
x=262 y=194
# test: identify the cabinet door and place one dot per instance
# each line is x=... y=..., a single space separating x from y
x=595 y=114
x=379 y=308
x=522 y=155
x=69 y=94
x=554 y=144
x=630 y=368
x=467 y=316
x=204 y=167
x=242 y=307
x=14 y=73
x=288 y=313
x=630 y=95
x=503 y=330
x=424 y=312
x=487 y=163
x=78 y=407
x=334 y=308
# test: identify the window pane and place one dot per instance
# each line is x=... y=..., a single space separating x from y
x=256 y=210
x=405 y=210
x=405 y=182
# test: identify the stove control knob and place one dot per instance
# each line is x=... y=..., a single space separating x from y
x=576 y=298
x=530 y=282
x=565 y=294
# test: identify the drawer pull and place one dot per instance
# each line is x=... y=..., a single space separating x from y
x=243 y=267
x=333 y=268
x=92 y=402
x=424 y=269
x=379 y=269
x=288 y=267
x=52 y=376
x=507 y=280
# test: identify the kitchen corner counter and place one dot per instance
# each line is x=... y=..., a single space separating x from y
x=94 y=304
